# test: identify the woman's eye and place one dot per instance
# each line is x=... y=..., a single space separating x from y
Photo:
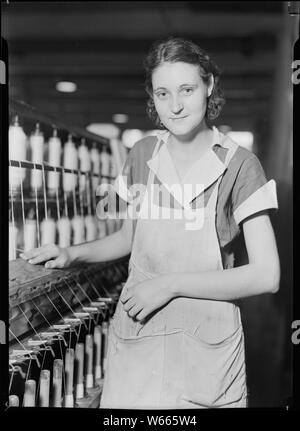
x=162 y=95
x=187 y=90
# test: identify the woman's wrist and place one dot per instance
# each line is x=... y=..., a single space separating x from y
x=72 y=253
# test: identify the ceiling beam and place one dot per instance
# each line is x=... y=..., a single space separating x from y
x=246 y=44
x=138 y=24
x=70 y=64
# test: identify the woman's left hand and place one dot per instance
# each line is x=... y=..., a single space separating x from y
x=143 y=298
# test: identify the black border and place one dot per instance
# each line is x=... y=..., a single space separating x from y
x=295 y=404
x=4 y=307
x=77 y=415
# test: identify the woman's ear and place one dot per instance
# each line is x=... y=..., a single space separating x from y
x=210 y=85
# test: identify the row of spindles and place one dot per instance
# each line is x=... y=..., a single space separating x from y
x=60 y=212
x=69 y=155
x=65 y=231
x=79 y=346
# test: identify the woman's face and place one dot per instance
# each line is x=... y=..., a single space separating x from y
x=180 y=96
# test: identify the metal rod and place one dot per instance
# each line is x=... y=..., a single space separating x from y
x=46 y=167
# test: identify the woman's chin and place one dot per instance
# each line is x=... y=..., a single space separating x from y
x=184 y=129
x=180 y=130
x=184 y=133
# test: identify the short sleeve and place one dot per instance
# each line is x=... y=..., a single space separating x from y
x=252 y=192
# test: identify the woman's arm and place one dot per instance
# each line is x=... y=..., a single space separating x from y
x=260 y=275
x=111 y=247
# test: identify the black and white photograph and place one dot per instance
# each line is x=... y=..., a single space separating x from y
x=148 y=207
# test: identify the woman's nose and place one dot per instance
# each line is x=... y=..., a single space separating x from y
x=176 y=105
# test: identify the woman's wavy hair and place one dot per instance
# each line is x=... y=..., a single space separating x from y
x=175 y=49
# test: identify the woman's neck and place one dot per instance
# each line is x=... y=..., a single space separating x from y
x=193 y=145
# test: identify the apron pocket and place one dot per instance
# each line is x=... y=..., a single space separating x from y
x=133 y=373
x=214 y=373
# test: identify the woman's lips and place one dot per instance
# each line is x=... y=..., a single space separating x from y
x=178 y=118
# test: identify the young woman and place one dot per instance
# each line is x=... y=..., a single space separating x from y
x=176 y=339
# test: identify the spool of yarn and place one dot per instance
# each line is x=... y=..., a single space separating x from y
x=13 y=241
x=69 y=372
x=102 y=230
x=113 y=169
x=84 y=162
x=89 y=377
x=29 y=393
x=79 y=370
x=97 y=345
x=64 y=232
x=57 y=382
x=54 y=159
x=91 y=228
x=30 y=234
x=17 y=148
x=78 y=229
x=44 y=388
x=96 y=163
x=70 y=161
x=13 y=401
x=118 y=155
x=36 y=142
x=105 y=162
x=48 y=230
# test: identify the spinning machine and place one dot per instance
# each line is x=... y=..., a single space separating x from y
x=59 y=318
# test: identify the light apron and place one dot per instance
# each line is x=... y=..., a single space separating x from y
x=189 y=353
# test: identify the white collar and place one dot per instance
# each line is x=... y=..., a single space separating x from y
x=201 y=175
x=218 y=137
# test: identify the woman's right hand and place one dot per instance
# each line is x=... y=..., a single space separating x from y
x=53 y=255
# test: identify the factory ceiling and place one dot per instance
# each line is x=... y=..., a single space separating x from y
x=100 y=46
